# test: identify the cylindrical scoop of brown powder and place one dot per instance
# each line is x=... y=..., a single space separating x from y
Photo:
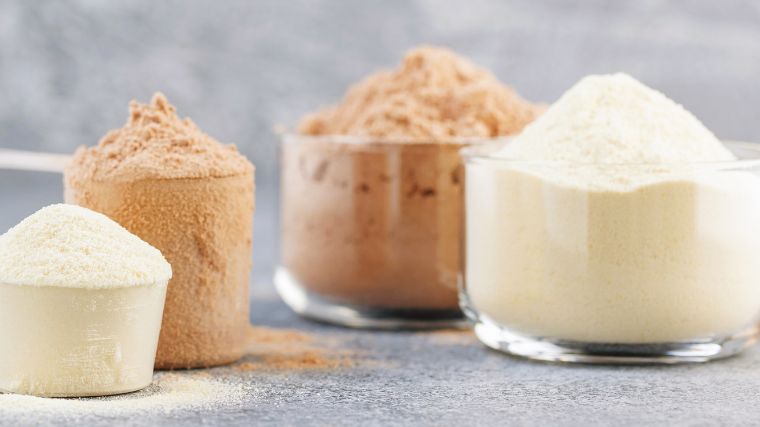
x=177 y=188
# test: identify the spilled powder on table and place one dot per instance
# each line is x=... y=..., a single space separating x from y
x=287 y=350
x=179 y=392
x=170 y=392
x=451 y=336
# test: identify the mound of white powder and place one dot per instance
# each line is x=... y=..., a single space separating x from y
x=70 y=246
x=614 y=119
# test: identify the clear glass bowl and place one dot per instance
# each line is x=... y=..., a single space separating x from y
x=371 y=231
x=624 y=263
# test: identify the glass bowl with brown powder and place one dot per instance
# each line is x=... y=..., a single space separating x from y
x=372 y=192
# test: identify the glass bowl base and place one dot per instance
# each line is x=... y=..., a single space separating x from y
x=315 y=307
x=557 y=350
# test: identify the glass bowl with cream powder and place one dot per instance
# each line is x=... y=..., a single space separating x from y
x=372 y=193
x=615 y=229
x=81 y=300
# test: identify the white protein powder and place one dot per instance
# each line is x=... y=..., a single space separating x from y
x=172 y=396
x=613 y=119
x=71 y=246
x=81 y=301
x=601 y=224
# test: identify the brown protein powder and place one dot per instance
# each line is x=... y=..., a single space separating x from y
x=272 y=349
x=191 y=197
x=372 y=187
x=434 y=96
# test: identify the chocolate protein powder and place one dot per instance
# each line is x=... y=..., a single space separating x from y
x=371 y=187
x=183 y=192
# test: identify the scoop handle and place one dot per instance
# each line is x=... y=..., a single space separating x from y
x=32 y=160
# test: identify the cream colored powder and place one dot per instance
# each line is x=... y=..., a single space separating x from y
x=596 y=246
x=171 y=394
x=613 y=119
x=176 y=395
x=70 y=246
x=80 y=305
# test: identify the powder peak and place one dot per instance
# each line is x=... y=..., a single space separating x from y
x=616 y=119
x=156 y=143
x=434 y=95
x=70 y=246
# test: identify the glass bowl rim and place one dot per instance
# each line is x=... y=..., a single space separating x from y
x=483 y=154
x=369 y=140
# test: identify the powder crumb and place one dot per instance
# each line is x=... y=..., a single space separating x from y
x=307 y=360
x=288 y=350
x=170 y=393
x=156 y=144
x=434 y=95
x=258 y=335
x=451 y=337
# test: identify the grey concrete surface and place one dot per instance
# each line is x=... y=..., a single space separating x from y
x=68 y=69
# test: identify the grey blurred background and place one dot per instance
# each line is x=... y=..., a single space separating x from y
x=69 y=68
